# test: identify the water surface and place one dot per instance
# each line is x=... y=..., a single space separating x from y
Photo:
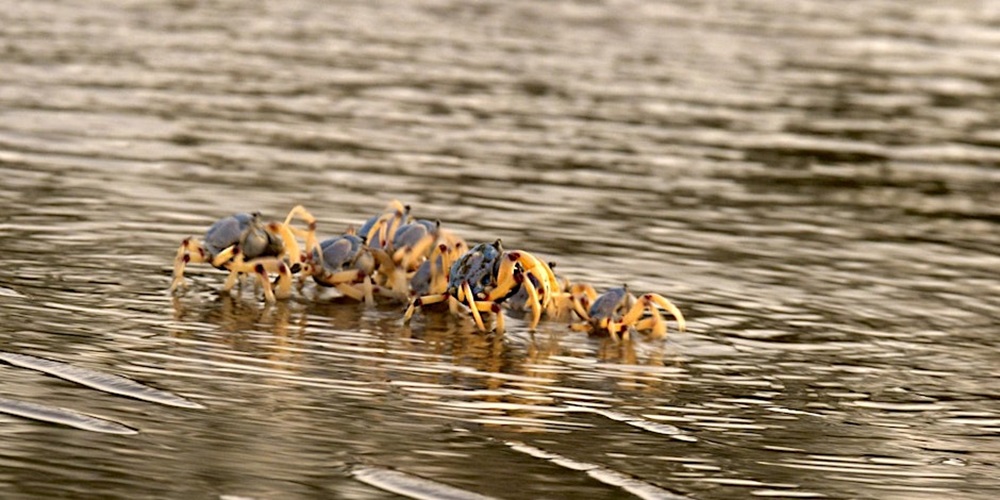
x=813 y=184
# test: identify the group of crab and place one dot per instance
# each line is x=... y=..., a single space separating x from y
x=394 y=256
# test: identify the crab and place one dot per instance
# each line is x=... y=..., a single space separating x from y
x=378 y=230
x=617 y=312
x=243 y=244
x=485 y=276
x=417 y=258
x=345 y=263
x=431 y=276
x=562 y=303
x=408 y=248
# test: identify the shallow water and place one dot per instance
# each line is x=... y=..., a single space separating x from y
x=814 y=184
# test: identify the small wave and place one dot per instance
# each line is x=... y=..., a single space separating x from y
x=637 y=487
x=411 y=486
x=105 y=382
x=56 y=415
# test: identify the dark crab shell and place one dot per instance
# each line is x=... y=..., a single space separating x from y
x=479 y=267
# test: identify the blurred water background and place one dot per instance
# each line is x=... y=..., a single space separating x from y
x=813 y=183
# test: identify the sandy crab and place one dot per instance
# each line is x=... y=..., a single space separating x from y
x=243 y=244
x=617 y=312
x=486 y=276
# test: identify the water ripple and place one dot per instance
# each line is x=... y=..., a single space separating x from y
x=411 y=486
x=814 y=184
x=605 y=475
x=53 y=414
x=105 y=382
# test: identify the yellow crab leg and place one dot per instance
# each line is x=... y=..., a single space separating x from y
x=284 y=281
x=467 y=290
x=225 y=255
x=448 y=252
x=383 y=262
x=613 y=327
x=532 y=266
x=398 y=217
x=350 y=276
x=410 y=257
x=635 y=312
x=371 y=231
x=390 y=275
x=655 y=324
x=238 y=266
x=382 y=258
x=559 y=305
x=385 y=226
x=438 y=276
x=647 y=302
x=499 y=321
x=580 y=293
x=423 y=301
x=669 y=306
x=368 y=288
x=351 y=291
x=265 y=283
x=301 y=212
x=536 y=306
x=541 y=270
x=493 y=308
x=230 y=281
x=378 y=228
x=579 y=309
x=505 y=279
x=309 y=235
x=190 y=251
x=261 y=268
x=345 y=282
x=235 y=267
x=288 y=237
x=399 y=284
x=380 y=222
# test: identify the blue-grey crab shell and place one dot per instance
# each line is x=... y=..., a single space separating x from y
x=410 y=234
x=246 y=230
x=612 y=304
x=342 y=253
